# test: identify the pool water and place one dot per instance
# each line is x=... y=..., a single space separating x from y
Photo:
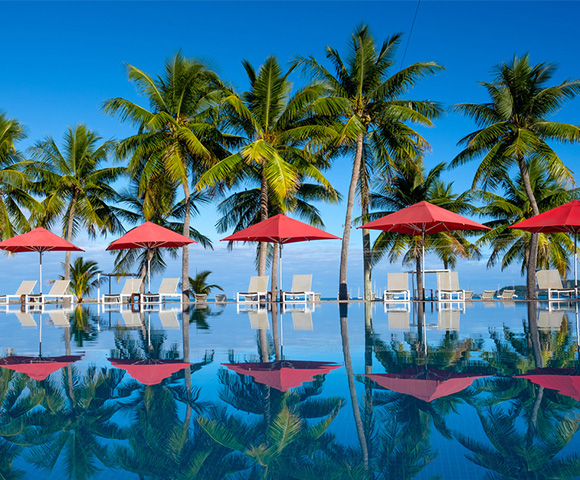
x=382 y=391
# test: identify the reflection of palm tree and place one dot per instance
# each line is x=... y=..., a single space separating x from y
x=72 y=423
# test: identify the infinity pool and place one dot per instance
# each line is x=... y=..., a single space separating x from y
x=396 y=391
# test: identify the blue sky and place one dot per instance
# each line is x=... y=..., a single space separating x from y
x=60 y=60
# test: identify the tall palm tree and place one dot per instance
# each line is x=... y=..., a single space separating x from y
x=367 y=99
x=514 y=129
x=280 y=139
x=177 y=135
x=511 y=206
x=77 y=184
x=15 y=187
x=410 y=184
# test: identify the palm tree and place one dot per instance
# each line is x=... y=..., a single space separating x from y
x=85 y=277
x=77 y=184
x=279 y=139
x=15 y=185
x=198 y=283
x=514 y=129
x=177 y=134
x=511 y=206
x=410 y=184
x=373 y=121
x=158 y=203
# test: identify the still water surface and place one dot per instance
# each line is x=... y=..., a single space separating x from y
x=445 y=391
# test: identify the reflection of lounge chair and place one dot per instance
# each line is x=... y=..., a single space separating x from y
x=507 y=294
x=169 y=318
x=488 y=295
x=131 y=319
x=25 y=288
x=550 y=320
x=26 y=319
x=550 y=281
x=257 y=290
x=167 y=289
x=60 y=317
x=301 y=287
x=58 y=292
x=259 y=320
x=131 y=286
x=448 y=287
x=302 y=320
x=399 y=320
x=448 y=319
x=397 y=285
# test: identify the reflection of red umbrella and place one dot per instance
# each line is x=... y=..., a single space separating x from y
x=38 y=240
x=38 y=368
x=282 y=375
x=148 y=236
x=425 y=384
x=149 y=372
x=280 y=229
x=565 y=380
x=423 y=218
x=562 y=219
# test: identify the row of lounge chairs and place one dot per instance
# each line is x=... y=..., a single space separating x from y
x=301 y=290
x=58 y=292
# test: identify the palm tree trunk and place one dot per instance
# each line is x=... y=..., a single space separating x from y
x=351 y=384
x=533 y=258
x=185 y=261
x=342 y=287
x=263 y=216
x=419 y=273
x=366 y=236
x=69 y=232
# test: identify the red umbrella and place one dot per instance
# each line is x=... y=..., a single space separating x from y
x=282 y=375
x=562 y=219
x=148 y=236
x=565 y=380
x=280 y=229
x=149 y=372
x=425 y=384
x=423 y=218
x=38 y=240
x=38 y=368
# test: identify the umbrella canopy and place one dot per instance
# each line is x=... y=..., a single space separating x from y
x=565 y=380
x=423 y=218
x=38 y=240
x=425 y=384
x=280 y=229
x=38 y=368
x=282 y=375
x=148 y=236
x=562 y=219
x=149 y=372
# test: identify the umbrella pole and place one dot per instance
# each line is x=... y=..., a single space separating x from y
x=280 y=272
x=40 y=337
x=575 y=259
x=423 y=262
x=40 y=275
x=149 y=269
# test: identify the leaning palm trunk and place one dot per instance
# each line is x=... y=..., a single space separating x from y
x=343 y=289
x=533 y=258
x=351 y=384
x=366 y=240
x=185 y=261
x=263 y=216
x=69 y=232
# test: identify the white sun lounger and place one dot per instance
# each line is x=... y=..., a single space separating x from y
x=448 y=287
x=25 y=288
x=58 y=292
x=131 y=286
x=550 y=281
x=301 y=287
x=397 y=285
x=507 y=294
x=167 y=289
x=257 y=290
